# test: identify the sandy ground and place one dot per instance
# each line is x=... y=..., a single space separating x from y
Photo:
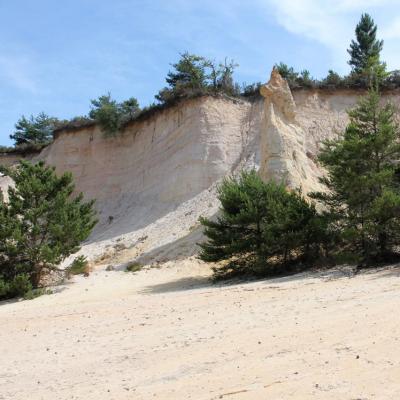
x=169 y=334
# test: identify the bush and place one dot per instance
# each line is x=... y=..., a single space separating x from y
x=134 y=267
x=35 y=130
x=75 y=123
x=287 y=72
x=32 y=294
x=111 y=115
x=332 y=79
x=251 y=90
x=40 y=225
x=79 y=266
x=194 y=75
x=18 y=286
x=262 y=228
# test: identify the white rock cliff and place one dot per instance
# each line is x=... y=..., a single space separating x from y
x=159 y=175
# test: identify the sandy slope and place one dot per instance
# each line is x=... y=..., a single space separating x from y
x=168 y=334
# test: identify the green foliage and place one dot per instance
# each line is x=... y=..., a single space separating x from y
x=287 y=72
x=75 y=123
x=189 y=72
x=41 y=224
x=111 y=115
x=35 y=130
x=79 y=266
x=129 y=108
x=195 y=75
x=305 y=79
x=7 y=149
x=295 y=79
x=364 y=193
x=17 y=286
x=332 y=79
x=221 y=77
x=251 y=90
x=261 y=226
x=365 y=50
x=33 y=293
x=134 y=267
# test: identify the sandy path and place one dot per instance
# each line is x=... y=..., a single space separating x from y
x=168 y=334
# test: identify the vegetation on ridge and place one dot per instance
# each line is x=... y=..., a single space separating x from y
x=194 y=75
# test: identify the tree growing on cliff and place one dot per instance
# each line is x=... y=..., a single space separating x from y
x=365 y=50
x=34 y=130
x=261 y=226
x=364 y=191
x=110 y=114
x=194 y=74
x=40 y=225
x=188 y=76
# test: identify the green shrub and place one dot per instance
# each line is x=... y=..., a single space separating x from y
x=18 y=286
x=34 y=130
x=262 y=228
x=34 y=293
x=194 y=76
x=111 y=115
x=79 y=266
x=287 y=72
x=4 y=289
x=134 y=267
x=40 y=225
x=332 y=79
x=251 y=90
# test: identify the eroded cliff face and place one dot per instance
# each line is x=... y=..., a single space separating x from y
x=152 y=181
x=154 y=166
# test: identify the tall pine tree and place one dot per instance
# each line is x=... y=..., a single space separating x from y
x=363 y=195
x=366 y=48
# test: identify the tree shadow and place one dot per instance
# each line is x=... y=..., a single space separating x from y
x=385 y=271
x=178 y=285
x=176 y=250
x=202 y=282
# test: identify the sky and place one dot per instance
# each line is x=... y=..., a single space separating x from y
x=57 y=55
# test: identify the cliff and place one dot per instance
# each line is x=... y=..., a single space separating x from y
x=152 y=181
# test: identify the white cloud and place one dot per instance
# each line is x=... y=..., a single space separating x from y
x=332 y=22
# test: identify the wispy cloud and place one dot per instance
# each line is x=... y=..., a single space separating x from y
x=331 y=23
x=17 y=71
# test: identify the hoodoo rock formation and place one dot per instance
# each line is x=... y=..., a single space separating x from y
x=283 y=140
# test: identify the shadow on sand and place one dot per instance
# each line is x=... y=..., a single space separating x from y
x=307 y=277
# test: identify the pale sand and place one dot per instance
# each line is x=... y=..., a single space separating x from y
x=169 y=334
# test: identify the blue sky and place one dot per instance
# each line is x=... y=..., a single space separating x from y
x=57 y=55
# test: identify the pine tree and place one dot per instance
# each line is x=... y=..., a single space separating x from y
x=188 y=72
x=105 y=112
x=260 y=225
x=35 y=130
x=41 y=224
x=366 y=48
x=110 y=115
x=363 y=195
